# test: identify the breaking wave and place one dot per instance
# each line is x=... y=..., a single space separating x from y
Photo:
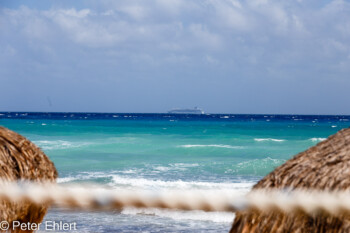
x=268 y=139
x=212 y=145
x=317 y=139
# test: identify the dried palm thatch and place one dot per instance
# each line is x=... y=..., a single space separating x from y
x=326 y=167
x=20 y=160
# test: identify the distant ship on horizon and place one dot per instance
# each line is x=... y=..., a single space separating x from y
x=194 y=110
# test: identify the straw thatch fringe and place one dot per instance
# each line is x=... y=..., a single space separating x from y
x=20 y=159
x=325 y=167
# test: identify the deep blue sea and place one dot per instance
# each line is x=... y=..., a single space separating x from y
x=219 y=152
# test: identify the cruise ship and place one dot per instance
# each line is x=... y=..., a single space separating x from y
x=186 y=111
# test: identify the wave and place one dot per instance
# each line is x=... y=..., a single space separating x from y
x=258 y=167
x=65 y=179
x=64 y=144
x=317 y=139
x=122 y=182
x=268 y=139
x=175 y=166
x=212 y=145
x=219 y=217
x=136 y=183
x=157 y=184
x=59 y=144
x=119 y=182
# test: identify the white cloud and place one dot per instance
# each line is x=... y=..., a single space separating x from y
x=232 y=14
x=203 y=37
x=135 y=11
x=120 y=44
x=257 y=31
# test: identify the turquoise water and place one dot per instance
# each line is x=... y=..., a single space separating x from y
x=161 y=151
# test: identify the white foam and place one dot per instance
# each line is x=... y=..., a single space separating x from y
x=156 y=184
x=161 y=168
x=130 y=171
x=268 y=139
x=220 y=217
x=160 y=185
x=121 y=182
x=185 y=164
x=65 y=179
x=174 y=167
x=59 y=144
x=259 y=163
x=317 y=139
x=212 y=145
x=137 y=183
x=82 y=177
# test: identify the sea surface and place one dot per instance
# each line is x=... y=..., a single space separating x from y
x=156 y=152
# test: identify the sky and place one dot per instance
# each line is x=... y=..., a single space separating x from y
x=224 y=56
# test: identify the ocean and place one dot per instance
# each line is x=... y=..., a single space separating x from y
x=214 y=152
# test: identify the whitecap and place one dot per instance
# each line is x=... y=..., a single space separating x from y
x=140 y=183
x=257 y=164
x=219 y=217
x=59 y=144
x=66 y=179
x=157 y=184
x=212 y=145
x=121 y=182
x=268 y=139
x=161 y=168
x=130 y=171
x=175 y=167
x=317 y=139
x=185 y=164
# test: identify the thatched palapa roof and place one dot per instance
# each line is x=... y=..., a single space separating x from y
x=20 y=159
x=325 y=167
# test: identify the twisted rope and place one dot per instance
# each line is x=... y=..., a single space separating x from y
x=92 y=197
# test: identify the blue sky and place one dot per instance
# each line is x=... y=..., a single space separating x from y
x=225 y=56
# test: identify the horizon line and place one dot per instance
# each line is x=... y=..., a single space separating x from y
x=206 y=113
